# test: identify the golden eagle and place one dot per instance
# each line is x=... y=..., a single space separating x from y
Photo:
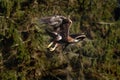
x=60 y=33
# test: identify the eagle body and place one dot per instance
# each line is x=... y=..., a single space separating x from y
x=60 y=34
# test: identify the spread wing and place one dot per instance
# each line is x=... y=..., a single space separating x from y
x=54 y=21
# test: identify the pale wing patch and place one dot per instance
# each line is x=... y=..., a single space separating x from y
x=52 y=21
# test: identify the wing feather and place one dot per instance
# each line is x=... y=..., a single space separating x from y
x=53 y=20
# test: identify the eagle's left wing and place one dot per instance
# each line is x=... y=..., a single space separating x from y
x=54 y=21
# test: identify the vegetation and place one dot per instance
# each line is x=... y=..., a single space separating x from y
x=23 y=40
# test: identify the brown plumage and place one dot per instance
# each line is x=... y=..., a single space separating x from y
x=76 y=37
x=60 y=34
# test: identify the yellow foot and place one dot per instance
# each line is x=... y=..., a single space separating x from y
x=50 y=45
x=52 y=49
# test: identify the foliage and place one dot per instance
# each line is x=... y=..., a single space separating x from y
x=23 y=41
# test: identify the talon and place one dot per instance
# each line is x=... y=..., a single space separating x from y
x=52 y=49
x=50 y=45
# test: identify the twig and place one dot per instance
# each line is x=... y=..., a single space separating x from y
x=104 y=23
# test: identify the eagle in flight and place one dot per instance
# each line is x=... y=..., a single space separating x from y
x=60 y=33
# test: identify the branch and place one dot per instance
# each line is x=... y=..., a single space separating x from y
x=104 y=23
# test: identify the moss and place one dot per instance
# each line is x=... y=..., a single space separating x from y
x=9 y=75
x=23 y=41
